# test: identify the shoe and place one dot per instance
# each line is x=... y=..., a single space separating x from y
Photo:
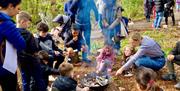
x=177 y=86
x=169 y=77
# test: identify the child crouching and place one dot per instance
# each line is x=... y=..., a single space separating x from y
x=105 y=60
x=65 y=81
x=145 y=78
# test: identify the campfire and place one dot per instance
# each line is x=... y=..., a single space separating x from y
x=96 y=82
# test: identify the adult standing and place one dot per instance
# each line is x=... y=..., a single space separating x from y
x=148 y=55
x=159 y=5
x=9 y=32
x=148 y=5
x=83 y=19
x=110 y=16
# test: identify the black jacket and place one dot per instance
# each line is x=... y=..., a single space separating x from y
x=69 y=42
x=48 y=71
x=159 y=5
x=28 y=54
x=176 y=51
x=63 y=83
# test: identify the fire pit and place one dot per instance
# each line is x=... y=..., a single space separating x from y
x=96 y=82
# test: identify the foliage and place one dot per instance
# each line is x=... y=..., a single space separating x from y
x=49 y=8
x=133 y=9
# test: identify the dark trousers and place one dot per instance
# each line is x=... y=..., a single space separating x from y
x=170 y=65
x=31 y=72
x=167 y=14
x=8 y=81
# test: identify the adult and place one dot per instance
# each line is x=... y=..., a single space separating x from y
x=148 y=5
x=9 y=32
x=82 y=18
x=107 y=19
x=173 y=58
x=148 y=55
x=168 y=11
x=159 y=5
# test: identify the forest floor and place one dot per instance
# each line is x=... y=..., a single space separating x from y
x=166 y=37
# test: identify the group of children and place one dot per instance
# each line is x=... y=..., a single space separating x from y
x=36 y=60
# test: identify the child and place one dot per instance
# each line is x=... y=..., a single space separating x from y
x=145 y=79
x=65 y=81
x=64 y=26
x=9 y=32
x=178 y=5
x=45 y=42
x=29 y=64
x=105 y=60
x=72 y=56
x=127 y=53
x=75 y=40
x=44 y=57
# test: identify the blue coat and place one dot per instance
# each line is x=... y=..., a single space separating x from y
x=83 y=11
x=9 y=32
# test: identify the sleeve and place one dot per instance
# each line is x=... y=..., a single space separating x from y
x=13 y=36
x=33 y=44
x=67 y=43
x=93 y=5
x=54 y=46
x=132 y=60
x=50 y=70
x=66 y=8
x=175 y=49
x=74 y=6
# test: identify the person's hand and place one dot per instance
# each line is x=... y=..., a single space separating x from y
x=119 y=71
x=170 y=57
x=83 y=48
x=56 y=53
x=75 y=38
x=106 y=24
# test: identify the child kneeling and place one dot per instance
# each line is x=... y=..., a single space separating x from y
x=65 y=81
x=145 y=78
x=105 y=60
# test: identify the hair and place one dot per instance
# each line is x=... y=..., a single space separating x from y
x=42 y=27
x=65 y=69
x=5 y=3
x=145 y=78
x=23 y=16
x=43 y=55
x=133 y=51
x=103 y=55
x=136 y=36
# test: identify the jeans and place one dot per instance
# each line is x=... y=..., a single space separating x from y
x=86 y=31
x=8 y=81
x=170 y=65
x=153 y=63
x=158 y=19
